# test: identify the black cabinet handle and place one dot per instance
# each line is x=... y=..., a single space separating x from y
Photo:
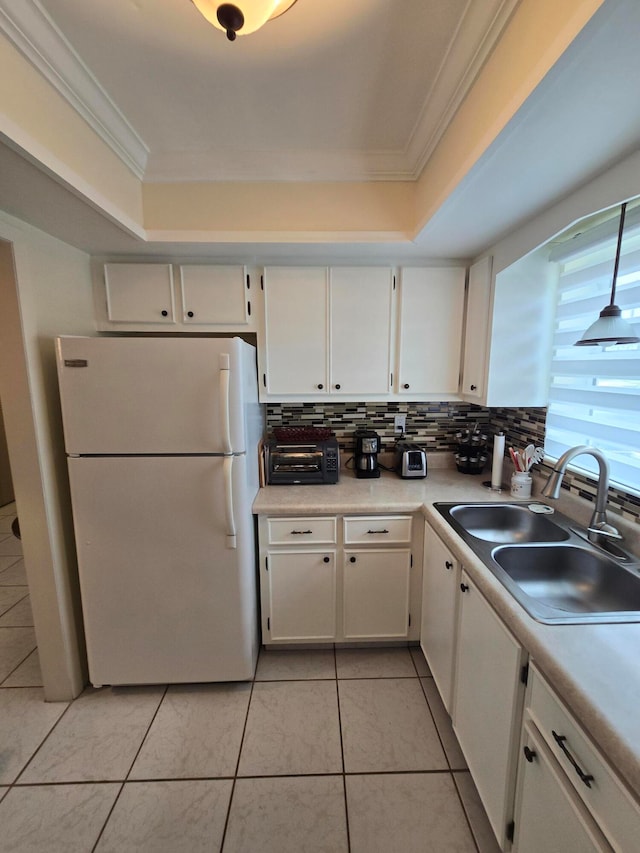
x=377 y=531
x=300 y=532
x=325 y=559
x=529 y=754
x=473 y=387
x=352 y=559
x=338 y=387
x=321 y=386
x=165 y=313
x=585 y=777
x=464 y=587
x=448 y=565
x=189 y=313
x=406 y=385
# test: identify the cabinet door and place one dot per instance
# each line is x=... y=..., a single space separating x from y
x=430 y=330
x=302 y=593
x=440 y=588
x=296 y=331
x=139 y=293
x=216 y=295
x=549 y=816
x=476 y=330
x=361 y=330
x=487 y=702
x=376 y=593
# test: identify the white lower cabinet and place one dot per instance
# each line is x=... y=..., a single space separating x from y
x=549 y=815
x=302 y=595
x=376 y=594
x=339 y=579
x=440 y=592
x=487 y=705
x=591 y=807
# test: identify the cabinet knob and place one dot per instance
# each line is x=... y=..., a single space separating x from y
x=406 y=385
x=464 y=587
x=473 y=387
x=189 y=313
x=529 y=754
x=352 y=559
x=337 y=386
x=320 y=386
x=325 y=559
x=165 y=313
x=448 y=565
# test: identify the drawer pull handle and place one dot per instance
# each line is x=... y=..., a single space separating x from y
x=464 y=587
x=326 y=560
x=529 y=754
x=448 y=565
x=377 y=531
x=585 y=777
x=301 y=532
x=352 y=559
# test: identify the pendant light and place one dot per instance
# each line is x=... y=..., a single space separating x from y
x=243 y=17
x=610 y=329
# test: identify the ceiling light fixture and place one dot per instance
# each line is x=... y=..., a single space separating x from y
x=243 y=17
x=610 y=329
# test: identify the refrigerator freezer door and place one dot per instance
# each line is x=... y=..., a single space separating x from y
x=164 y=599
x=155 y=395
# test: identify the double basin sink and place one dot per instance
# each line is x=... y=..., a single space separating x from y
x=547 y=563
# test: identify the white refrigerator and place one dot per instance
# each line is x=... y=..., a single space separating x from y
x=161 y=436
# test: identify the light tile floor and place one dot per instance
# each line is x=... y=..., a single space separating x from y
x=345 y=750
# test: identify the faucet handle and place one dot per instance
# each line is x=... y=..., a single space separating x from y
x=602 y=529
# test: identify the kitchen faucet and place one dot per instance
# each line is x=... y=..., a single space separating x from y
x=599 y=530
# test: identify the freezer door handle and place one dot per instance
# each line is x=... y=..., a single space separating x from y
x=225 y=390
x=228 y=501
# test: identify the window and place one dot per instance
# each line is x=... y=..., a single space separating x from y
x=594 y=394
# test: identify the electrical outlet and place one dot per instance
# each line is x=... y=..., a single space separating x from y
x=400 y=423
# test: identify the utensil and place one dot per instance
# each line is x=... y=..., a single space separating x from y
x=528 y=456
x=515 y=459
x=538 y=454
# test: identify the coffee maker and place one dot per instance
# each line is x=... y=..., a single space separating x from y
x=366 y=456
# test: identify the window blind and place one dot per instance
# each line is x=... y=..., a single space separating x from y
x=594 y=394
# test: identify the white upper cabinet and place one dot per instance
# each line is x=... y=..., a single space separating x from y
x=192 y=297
x=476 y=331
x=296 y=331
x=360 y=328
x=430 y=331
x=215 y=294
x=327 y=332
x=139 y=293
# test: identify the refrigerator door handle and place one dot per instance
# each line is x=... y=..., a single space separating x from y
x=227 y=464
x=225 y=391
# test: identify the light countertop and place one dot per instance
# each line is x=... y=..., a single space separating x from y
x=594 y=668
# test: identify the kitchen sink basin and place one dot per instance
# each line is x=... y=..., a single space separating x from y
x=571 y=578
x=507 y=523
x=547 y=563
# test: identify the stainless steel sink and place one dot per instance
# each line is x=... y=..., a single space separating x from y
x=572 y=578
x=547 y=563
x=507 y=523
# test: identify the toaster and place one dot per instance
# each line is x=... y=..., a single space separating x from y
x=410 y=460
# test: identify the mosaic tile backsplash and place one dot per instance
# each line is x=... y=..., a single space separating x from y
x=434 y=425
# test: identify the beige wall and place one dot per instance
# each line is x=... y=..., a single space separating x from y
x=45 y=289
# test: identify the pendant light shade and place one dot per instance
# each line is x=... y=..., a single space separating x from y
x=242 y=17
x=610 y=328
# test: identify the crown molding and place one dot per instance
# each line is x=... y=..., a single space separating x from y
x=457 y=75
x=35 y=35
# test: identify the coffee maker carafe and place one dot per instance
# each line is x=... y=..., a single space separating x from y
x=366 y=456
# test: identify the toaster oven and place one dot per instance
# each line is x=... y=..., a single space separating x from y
x=311 y=462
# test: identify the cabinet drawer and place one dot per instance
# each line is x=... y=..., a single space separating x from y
x=377 y=529
x=611 y=805
x=301 y=531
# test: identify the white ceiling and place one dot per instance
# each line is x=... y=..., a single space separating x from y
x=329 y=91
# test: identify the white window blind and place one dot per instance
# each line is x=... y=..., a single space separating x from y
x=594 y=394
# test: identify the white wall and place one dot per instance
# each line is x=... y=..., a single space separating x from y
x=45 y=290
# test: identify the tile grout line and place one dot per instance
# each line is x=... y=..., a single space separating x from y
x=126 y=777
x=344 y=774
